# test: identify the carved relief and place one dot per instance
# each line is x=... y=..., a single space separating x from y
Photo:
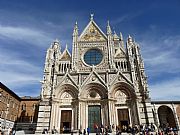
x=120 y=97
x=66 y=98
x=92 y=34
x=93 y=94
x=66 y=95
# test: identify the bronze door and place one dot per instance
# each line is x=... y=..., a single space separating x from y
x=94 y=117
x=123 y=118
x=66 y=120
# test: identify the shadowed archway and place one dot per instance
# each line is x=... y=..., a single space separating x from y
x=166 y=117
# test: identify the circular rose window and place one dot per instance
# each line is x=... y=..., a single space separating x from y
x=93 y=57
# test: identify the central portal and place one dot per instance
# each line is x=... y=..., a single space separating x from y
x=94 y=117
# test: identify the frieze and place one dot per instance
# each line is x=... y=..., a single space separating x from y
x=65 y=106
x=118 y=105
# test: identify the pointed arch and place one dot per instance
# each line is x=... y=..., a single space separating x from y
x=68 y=88
x=100 y=89
x=166 y=116
x=123 y=87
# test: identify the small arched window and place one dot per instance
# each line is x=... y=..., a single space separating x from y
x=24 y=107
x=34 y=106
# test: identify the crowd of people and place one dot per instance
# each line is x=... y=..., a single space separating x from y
x=7 y=131
x=150 y=129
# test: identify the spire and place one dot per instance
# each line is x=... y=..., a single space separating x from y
x=55 y=45
x=56 y=40
x=121 y=37
x=75 y=31
x=115 y=35
x=108 y=28
x=130 y=39
x=92 y=15
x=66 y=46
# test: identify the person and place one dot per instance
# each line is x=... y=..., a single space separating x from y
x=80 y=131
x=54 y=131
x=64 y=129
x=13 y=131
x=113 y=128
x=102 y=129
x=84 y=132
x=96 y=129
x=45 y=131
x=88 y=130
x=9 y=131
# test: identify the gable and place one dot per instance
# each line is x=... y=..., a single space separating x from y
x=94 y=78
x=92 y=33
x=119 y=77
x=119 y=53
x=67 y=79
x=65 y=55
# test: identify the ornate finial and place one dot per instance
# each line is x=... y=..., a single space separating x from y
x=92 y=15
x=75 y=31
x=56 y=40
x=108 y=22
x=115 y=35
x=108 y=28
x=129 y=36
x=76 y=25
x=93 y=67
x=129 y=39
x=66 y=46
x=121 y=36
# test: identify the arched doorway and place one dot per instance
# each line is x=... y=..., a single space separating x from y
x=178 y=113
x=65 y=96
x=124 y=105
x=95 y=106
x=166 y=117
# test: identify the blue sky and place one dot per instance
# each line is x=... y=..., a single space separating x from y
x=27 y=28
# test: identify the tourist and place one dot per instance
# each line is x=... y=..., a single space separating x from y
x=88 y=130
x=84 y=132
x=13 y=131
x=54 y=131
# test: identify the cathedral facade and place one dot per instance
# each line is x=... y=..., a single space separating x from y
x=102 y=82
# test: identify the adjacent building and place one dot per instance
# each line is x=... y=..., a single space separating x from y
x=9 y=107
x=17 y=112
x=27 y=115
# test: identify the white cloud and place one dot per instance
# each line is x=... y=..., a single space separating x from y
x=166 y=90
x=16 y=72
x=24 y=34
x=161 y=55
x=126 y=17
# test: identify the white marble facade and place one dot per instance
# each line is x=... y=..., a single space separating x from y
x=102 y=81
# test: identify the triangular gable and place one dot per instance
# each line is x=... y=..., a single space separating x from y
x=93 y=78
x=67 y=79
x=65 y=55
x=119 y=78
x=120 y=53
x=92 y=33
